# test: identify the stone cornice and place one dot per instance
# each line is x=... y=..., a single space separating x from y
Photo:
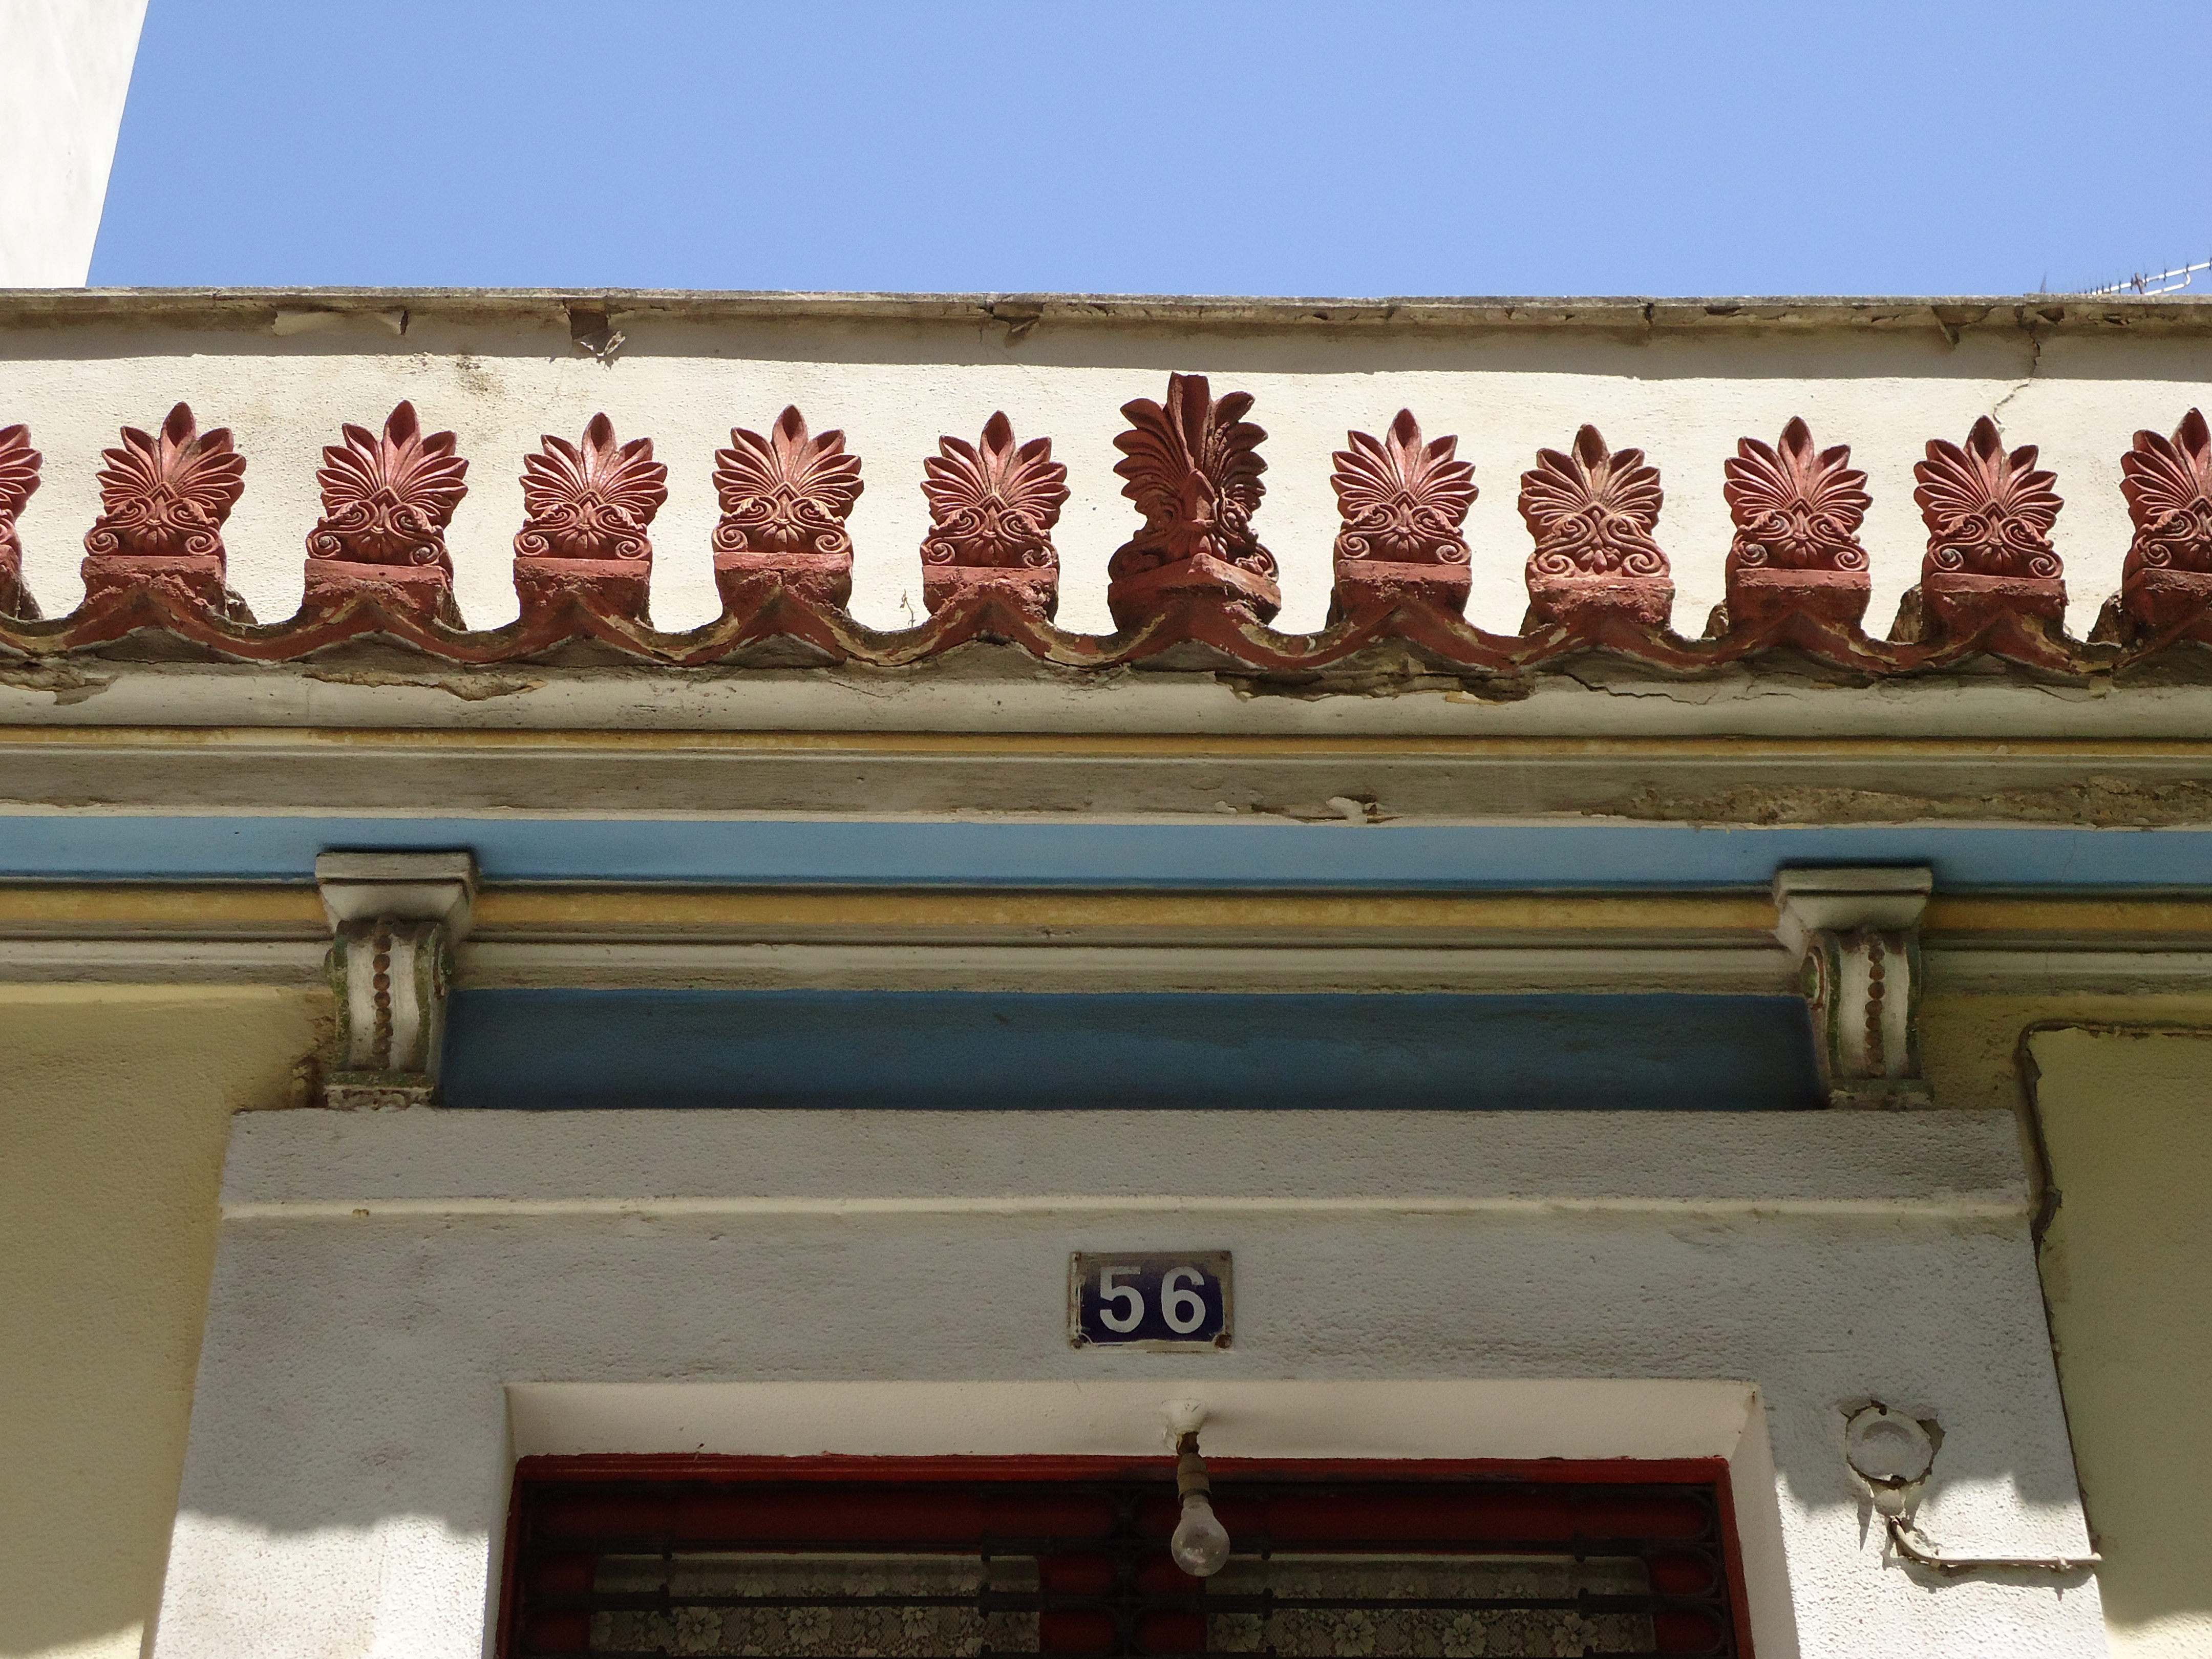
x=260 y=308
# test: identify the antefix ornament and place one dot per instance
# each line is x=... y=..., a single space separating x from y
x=386 y=501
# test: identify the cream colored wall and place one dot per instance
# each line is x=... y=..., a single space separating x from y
x=114 y=1106
x=2127 y=1269
x=895 y=386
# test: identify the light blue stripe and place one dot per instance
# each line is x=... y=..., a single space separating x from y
x=1228 y=855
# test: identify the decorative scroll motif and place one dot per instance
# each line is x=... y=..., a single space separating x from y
x=587 y=510
x=1193 y=466
x=1592 y=513
x=2166 y=580
x=19 y=478
x=1797 y=513
x=163 y=501
x=1402 y=504
x=991 y=513
x=785 y=499
x=1989 y=516
x=386 y=501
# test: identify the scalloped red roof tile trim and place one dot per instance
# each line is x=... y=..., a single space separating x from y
x=1194 y=577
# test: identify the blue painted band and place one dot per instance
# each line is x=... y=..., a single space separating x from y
x=105 y=848
x=963 y=1049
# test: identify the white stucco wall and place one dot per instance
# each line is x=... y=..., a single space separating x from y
x=893 y=387
x=402 y=1301
x=64 y=68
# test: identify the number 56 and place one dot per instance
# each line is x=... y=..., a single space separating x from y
x=1180 y=1306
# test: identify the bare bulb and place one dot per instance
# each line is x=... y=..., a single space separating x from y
x=1200 y=1544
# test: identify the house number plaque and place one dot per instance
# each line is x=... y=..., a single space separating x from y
x=1147 y=1300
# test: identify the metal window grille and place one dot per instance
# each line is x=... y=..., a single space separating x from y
x=619 y=1558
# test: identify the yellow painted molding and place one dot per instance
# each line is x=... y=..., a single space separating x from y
x=524 y=908
x=2116 y=917
x=94 y=905
x=295 y=908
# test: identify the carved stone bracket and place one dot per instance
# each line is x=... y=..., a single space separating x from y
x=395 y=918
x=1856 y=936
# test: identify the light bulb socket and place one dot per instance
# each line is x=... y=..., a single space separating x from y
x=1191 y=1478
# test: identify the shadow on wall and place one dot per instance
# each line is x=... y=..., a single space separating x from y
x=954 y=1050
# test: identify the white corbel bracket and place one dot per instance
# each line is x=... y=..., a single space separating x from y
x=1856 y=934
x=395 y=918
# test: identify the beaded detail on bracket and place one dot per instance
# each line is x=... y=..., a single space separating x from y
x=1193 y=577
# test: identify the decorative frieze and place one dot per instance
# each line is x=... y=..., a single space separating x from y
x=583 y=541
x=395 y=919
x=19 y=478
x=1195 y=571
x=386 y=501
x=1856 y=933
x=163 y=499
x=1192 y=465
x=1592 y=513
x=992 y=508
x=785 y=500
x=1403 y=504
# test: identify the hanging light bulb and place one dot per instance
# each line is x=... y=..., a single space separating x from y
x=1200 y=1544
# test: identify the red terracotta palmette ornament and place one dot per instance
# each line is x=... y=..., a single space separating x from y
x=2166 y=580
x=1593 y=514
x=587 y=510
x=1193 y=466
x=1989 y=516
x=163 y=500
x=785 y=499
x=19 y=478
x=1798 y=511
x=1402 y=504
x=386 y=501
x=992 y=509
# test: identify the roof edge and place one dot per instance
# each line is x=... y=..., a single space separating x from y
x=228 y=306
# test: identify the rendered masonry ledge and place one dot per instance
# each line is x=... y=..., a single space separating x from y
x=315 y=1164
x=996 y=692
x=1389 y=777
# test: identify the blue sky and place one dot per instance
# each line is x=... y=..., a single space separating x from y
x=1293 y=148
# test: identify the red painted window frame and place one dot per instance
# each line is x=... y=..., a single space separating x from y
x=1711 y=1471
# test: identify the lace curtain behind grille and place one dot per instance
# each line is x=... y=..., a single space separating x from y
x=1379 y=1627
x=780 y=1604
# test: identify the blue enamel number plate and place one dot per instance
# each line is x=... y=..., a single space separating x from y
x=1147 y=1299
